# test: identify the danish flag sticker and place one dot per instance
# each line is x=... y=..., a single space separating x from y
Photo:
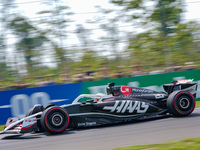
x=125 y=90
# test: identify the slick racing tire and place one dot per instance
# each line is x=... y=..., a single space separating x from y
x=55 y=120
x=180 y=103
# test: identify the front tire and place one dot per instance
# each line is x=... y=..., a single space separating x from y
x=180 y=103
x=55 y=120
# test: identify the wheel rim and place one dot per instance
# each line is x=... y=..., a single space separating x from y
x=57 y=120
x=184 y=103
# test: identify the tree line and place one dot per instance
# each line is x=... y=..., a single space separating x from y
x=160 y=37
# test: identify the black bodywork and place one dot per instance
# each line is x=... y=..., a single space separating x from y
x=124 y=104
x=121 y=104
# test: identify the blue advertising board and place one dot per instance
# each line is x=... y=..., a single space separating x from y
x=18 y=102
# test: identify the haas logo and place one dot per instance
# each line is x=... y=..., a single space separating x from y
x=125 y=90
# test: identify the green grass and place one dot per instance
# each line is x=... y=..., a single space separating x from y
x=2 y=127
x=197 y=104
x=186 y=144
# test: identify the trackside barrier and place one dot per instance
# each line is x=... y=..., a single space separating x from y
x=18 y=102
x=153 y=82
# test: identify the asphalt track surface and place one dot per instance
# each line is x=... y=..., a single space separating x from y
x=109 y=137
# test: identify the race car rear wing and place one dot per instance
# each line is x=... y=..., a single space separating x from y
x=185 y=85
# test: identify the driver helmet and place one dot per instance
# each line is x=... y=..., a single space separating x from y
x=97 y=99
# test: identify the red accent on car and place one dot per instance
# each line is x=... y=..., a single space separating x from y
x=111 y=99
x=116 y=93
x=52 y=129
x=125 y=90
x=28 y=127
x=178 y=109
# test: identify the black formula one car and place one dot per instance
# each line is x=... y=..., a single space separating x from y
x=122 y=104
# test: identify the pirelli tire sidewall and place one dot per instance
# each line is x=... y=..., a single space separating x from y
x=55 y=120
x=180 y=103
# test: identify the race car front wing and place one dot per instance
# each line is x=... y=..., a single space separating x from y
x=25 y=125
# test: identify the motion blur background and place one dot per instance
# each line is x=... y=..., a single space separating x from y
x=56 y=39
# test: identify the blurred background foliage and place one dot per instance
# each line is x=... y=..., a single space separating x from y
x=160 y=38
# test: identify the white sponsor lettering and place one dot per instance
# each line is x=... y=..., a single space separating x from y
x=159 y=96
x=184 y=81
x=125 y=107
x=90 y=123
x=111 y=108
x=86 y=124
x=119 y=108
x=29 y=122
x=81 y=124
x=130 y=106
x=145 y=106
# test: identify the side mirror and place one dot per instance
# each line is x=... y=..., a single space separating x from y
x=110 y=87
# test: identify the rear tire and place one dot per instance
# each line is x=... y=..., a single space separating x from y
x=180 y=103
x=55 y=120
